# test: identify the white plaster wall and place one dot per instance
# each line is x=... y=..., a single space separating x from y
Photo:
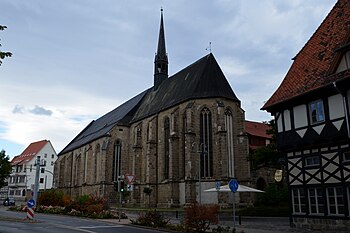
x=279 y=123
x=48 y=150
x=300 y=116
x=336 y=107
x=287 y=122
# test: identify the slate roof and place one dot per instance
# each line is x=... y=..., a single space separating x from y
x=101 y=127
x=29 y=153
x=314 y=65
x=202 y=79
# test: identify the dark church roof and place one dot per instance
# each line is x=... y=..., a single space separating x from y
x=202 y=79
x=313 y=66
x=101 y=127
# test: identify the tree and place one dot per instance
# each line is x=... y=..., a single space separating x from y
x=267 y=156
x=3 y=54
x=5 y=168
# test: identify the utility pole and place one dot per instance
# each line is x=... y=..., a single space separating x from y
x=36 y=184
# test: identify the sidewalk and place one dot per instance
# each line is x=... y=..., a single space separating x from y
x=248 y=224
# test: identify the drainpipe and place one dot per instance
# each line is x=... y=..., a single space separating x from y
x=346 y=108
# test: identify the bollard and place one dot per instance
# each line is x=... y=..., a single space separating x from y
x=30 y=213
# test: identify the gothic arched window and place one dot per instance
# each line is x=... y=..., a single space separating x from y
x=117 y=158
x=166 y=147
x=205 y=143
x=230 y=142
x=97 y=158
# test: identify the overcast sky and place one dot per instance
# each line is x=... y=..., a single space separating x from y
x=75 y=60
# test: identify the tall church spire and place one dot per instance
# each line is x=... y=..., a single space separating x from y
x=161 y=57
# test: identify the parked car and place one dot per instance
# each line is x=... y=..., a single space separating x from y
x=9 y=201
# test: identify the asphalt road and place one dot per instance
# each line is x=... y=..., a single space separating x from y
x=15 y=222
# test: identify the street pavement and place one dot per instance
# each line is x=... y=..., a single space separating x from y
x=248 y=224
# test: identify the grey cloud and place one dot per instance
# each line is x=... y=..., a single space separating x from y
x=37 y=110
x=18 y=109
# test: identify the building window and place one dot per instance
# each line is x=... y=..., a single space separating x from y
x=97 y=155
x=52 y=156
x=31 y=168
x=117 y=160
x=19 y=168
x=45 y=156
x=312 y=161
x=166 y=147
x=230 y=140
x=316 y=201
x=43 y=162
x=205 y=139
x=42 y=170
x=316 y=111
x=298 y=201
x=22 y=179
x=335 y=201
x=41 y=181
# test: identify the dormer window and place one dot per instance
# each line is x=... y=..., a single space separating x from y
x=344 y=62
x=316 y=112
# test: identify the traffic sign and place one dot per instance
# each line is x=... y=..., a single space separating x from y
x=31 y=203
x=129 y=187
x=130 y=178
x=233 y=184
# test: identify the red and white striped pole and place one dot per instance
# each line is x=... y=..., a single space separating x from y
x=30 y=213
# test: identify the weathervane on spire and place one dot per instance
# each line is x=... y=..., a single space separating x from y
x=209 y=47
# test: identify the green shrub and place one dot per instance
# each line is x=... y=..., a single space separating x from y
x=53 y=197
x=151 y=219
x=273 y=195
x=94 y=209
x=198 y=218
x=221 y=229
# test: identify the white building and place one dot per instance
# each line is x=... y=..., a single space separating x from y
x=22 y=178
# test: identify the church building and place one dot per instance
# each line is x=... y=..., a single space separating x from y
x=177 y=138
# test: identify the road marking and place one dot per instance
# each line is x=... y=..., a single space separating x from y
x=93 y=227
x=72 y=228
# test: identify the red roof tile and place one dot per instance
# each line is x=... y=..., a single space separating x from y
x=257 y=129
x=29 y=153
x=312 y=67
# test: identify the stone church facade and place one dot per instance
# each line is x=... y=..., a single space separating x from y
x=183 y=134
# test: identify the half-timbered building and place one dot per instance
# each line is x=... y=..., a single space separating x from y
x=176 y=138
x=311 y=109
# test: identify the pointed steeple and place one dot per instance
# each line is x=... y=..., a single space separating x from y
x=161 y=57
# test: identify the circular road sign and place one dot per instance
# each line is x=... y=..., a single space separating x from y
x=233 y=184
x=31 y=203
